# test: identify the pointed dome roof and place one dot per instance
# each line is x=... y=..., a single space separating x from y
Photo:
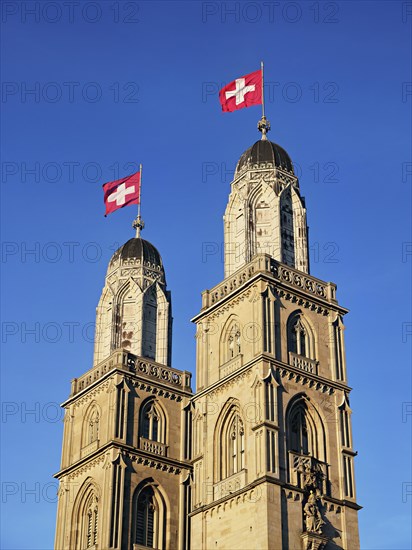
x=139 y=251
x=264 y=151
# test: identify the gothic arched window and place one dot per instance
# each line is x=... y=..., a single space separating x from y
x=230 y=442
x=236 y=446
x=305 y=430
x=300 y=338
x=145 y=518
x=299 y=442
x=152 y=422
x=149 y=517
x=91 y=425
x=92 y=521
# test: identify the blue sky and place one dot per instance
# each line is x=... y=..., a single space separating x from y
x=115 y=83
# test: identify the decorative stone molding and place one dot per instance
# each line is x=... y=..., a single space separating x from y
x=230 y=304
x=90 y=448
x=225 y=385
x=86 y=467
x=263 y=263
x=155 y=390
x=251 y=495
x=90 y=395
x=313 y=541
x=308 y=473
x=230 y=485
x=308 y=304
x=303 y=363
x=128 y=362
x=161 y=372
x=231 y=366
x=154 y=447
x=153 y=463
x=305 y=381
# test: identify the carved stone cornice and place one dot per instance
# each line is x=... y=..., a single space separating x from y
x=238 y=377
x=102 y=455
x=156 y=390
x=154 y=463
x=230 y=304
x=304 y=379
x=86 y=467
x=93 y=392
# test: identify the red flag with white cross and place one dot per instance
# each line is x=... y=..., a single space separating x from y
x=122 y=192
x=242 y=92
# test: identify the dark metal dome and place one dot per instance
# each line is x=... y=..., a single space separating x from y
x=264 y=151
x=138 y=249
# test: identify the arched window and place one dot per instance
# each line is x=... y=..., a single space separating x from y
x=92 y=521
x=145 y=518
x=300 y=337
x=152 y=422
x=91 y=425
x=149 y=517
x=305 y=429
x=86 y=517
x=299 y=432
x=230 y=442
x=236 y=446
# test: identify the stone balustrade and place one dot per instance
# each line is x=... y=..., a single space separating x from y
x=229 y=485
x=263 y=263
x=154 y=447
x=303 y=363
x=230 y=366
x=90 y=448
x=124 y=360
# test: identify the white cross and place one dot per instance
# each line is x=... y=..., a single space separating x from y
x=240 y=91
x=120 y=194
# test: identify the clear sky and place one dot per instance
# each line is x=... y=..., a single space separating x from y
x=89 y=88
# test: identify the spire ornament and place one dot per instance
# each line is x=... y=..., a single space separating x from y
x=138 y=224
x=264 y=127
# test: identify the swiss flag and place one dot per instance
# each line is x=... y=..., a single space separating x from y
x=122 y=192
x=242 y=92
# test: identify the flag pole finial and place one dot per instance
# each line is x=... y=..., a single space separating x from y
x=138 y=224
x=264 y=127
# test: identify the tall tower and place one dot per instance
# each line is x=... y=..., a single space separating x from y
x=125 y=467
x=272 y=445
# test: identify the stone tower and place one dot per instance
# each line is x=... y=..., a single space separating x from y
x=272 y=446
x=125 y=471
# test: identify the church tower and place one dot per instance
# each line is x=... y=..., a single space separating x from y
x=125 y=471
x=272 y=444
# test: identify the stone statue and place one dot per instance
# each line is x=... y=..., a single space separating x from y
x=313 y=478
x=313 y=518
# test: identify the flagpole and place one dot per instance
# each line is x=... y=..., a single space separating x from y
x=138 y=223
x=263 y=124
x=263 y=91
x=140 y=191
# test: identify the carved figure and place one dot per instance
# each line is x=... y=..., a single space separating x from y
x=313 y=518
